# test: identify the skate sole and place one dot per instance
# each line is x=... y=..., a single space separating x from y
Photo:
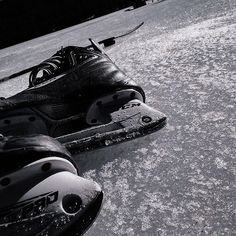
x=134 y=119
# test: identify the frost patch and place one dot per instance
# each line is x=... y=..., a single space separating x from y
x=192 y=205
x=221 y=164
x=233 y=132
x=146 y=224
x=91 y=174
x=110 y=206
x=154 y=83
x=142 y=150
x=214 y=116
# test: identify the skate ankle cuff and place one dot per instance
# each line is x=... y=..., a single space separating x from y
x=17 y=152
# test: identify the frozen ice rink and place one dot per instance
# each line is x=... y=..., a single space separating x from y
x=180 y=180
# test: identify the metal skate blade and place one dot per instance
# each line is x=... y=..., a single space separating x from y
x=132 y=120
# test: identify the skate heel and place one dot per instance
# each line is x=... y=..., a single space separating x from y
x=99 y=112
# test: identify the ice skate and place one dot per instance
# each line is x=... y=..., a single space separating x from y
x=80 y=97
x=40 y=190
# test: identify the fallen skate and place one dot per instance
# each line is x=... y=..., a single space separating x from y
x=40 y=190
x=80 y=97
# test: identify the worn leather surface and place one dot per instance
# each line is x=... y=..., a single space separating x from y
x=93 y=75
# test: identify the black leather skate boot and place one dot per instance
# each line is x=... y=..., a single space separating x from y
x=79 y=91
x=40 y=190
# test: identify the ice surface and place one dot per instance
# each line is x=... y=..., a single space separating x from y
x=179 y=181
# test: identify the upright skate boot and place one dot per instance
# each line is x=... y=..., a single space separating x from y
x=83 y=99
x=40 y=190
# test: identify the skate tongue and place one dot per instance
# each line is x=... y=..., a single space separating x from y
x=96 y=46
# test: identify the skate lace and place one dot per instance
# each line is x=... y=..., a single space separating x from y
x=55 y=65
